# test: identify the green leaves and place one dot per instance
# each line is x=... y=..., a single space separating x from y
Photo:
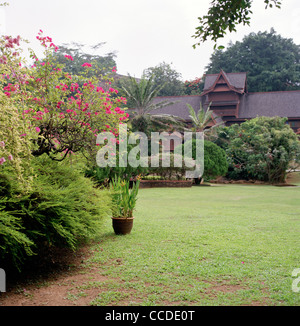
x=123 y=198
x=262 y=149
x=272 y=62
x=141 y=95
x=202 y=119
x=166 y=79
x=62 y=208
x=223 y=16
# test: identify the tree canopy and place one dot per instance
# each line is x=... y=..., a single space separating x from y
x=166 y=79
x=79 y=55
x=272 y=62
x=262 y=148
x=225 y=15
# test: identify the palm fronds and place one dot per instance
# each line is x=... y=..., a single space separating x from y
x=143 y=115
x=202 y=118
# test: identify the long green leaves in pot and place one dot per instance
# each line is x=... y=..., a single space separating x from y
x=123 y=198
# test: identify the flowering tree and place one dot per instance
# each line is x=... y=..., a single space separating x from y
x=194 y=87
x=64 y=113
x=14 y=133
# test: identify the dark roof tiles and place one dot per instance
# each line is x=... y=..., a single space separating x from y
x=282 y=104
x=237 y=80
x=269 y=104
x=179 y=108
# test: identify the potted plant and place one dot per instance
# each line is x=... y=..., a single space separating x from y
x=124 y=200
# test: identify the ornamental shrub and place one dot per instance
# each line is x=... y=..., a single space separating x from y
x=65 y=112
x=62 y=209
x=215 y=161
x=15 y=147
x=261 y=149
x=173 y=170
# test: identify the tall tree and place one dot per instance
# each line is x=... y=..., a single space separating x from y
x=80 y=56
x=167 y=79
x=194 y=87
x=225 y=15
x=272 y=62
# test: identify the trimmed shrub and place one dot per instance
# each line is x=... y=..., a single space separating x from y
x=215 y=162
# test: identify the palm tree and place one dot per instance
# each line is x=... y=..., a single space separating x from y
x=202 y=119
x=141 y=95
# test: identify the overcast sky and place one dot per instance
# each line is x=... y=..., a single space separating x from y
x=143 y=33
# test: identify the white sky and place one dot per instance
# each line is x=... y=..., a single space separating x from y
x=143 y=33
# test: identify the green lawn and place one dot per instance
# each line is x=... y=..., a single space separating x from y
x=218 y=245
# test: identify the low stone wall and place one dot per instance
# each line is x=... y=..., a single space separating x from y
x=165 y=183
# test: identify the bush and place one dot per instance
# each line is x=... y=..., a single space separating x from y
x=215 y=162
x=62 y=209
x=104 y=175
x=262 y=149
x=172 y=171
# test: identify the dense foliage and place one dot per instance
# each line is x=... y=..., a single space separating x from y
x=62 y=209
x=272 y=62
x=261 y=149
x=215 y=162
x=166 y=79
x=225 y=15
x=48 y=115
x=173 y=167
x=66 y=112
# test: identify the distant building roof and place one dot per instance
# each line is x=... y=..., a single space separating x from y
x=235 y=79
x=179 y=108
x=270 y=104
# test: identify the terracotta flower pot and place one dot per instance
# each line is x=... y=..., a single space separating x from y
x=122 y=225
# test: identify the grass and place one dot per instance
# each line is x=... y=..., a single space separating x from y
x=219 y=245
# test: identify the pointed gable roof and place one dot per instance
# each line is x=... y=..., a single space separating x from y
x=233 y=81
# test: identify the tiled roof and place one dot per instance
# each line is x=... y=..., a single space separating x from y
x=237 y=80
x=269 y=104
x=282 y=104
x=179 y=108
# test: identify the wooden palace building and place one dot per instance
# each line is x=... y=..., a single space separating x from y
x=231 y=101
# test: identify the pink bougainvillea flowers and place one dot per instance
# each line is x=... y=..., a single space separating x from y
x=69 y=57
x=86 y=64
